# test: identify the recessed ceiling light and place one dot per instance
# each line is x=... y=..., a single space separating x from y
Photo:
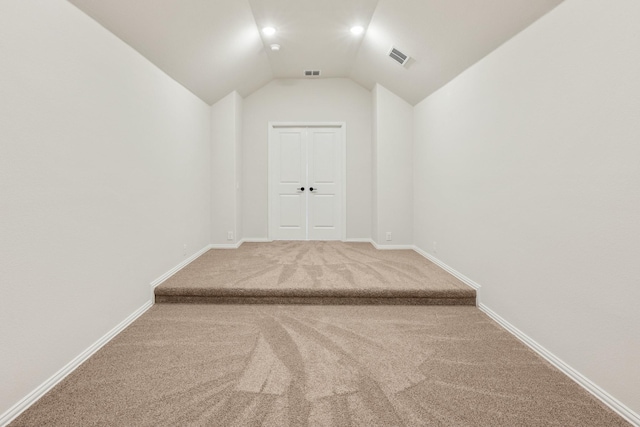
x=268 y=31
x=357 y=30
x=275 y=46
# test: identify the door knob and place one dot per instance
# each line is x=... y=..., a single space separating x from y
x=312 y=189
x=300 y=189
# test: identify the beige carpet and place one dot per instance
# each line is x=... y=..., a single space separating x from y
x=314 y=273
x=250 y=365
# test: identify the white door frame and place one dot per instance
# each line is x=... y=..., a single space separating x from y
x=343 y=181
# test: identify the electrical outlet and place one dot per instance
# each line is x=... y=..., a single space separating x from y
x=229 y=235
x=435 y=247
x=388 y=236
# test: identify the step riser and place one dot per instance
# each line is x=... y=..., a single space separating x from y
x=187 y=299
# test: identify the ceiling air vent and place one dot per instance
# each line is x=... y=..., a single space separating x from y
x=312 y=73
x=398 y=56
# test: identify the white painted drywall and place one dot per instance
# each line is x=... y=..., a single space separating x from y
x=374 y=162
x=226 y=122
x=104 y=176
x=238 y=178
x=307 y=100
x=392 y=168
x=527 y=176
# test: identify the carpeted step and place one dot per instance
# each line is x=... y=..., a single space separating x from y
x=318 y=273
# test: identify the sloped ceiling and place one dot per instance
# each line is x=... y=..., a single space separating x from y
x=213 y=47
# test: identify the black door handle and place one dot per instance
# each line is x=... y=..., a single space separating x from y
x=312 y=189
x=301 y=188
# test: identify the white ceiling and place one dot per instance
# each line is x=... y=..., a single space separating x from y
x=314 y=35
x=214 y=47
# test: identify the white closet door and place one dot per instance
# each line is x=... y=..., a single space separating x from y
x=305 y=195
x=324 y=147
x=288 y=176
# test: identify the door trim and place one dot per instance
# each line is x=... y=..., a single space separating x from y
x=343 y=181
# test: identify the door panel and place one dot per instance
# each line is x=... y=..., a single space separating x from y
x=292 y=169
x=322 y=157
x=323 y=208
x=288 y=175
x=292 y=211
x=325 y=162
x=304 y=158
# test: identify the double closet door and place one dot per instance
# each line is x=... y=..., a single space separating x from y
x=306 y=182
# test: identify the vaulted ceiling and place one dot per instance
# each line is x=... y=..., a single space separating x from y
x=213 y=47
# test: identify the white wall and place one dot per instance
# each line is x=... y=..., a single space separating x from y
x=238 y=178
x=527 y=176
x=104 y=176
x=226 y=125
x=307 y=100
x=374 y=162
x=392 y=168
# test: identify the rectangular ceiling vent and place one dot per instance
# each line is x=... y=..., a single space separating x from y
x=398 y=56
x=312 y=73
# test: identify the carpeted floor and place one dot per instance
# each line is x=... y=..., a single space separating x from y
x=314 y=273
x=271 y=365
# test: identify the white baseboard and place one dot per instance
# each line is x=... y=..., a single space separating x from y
x=178 y=267
x=378 y=246
x=384 y=247
x=393 y=247
x=448 y=269
x=43 y=388
x=239 y=243
x=256 y=240
x=576 y=376
x=225 y=245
